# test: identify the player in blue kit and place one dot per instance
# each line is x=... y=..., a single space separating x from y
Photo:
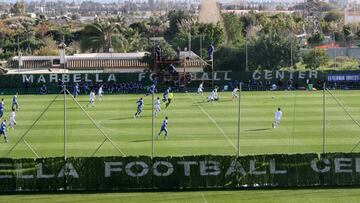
x=151 y=90
x=2 y=105
x=3 y=129
x=166 y=94
x=140 y=104
x=164 y=128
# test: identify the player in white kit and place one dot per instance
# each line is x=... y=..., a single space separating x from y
x=213 y=96
x=92 y=98
x=277 y=119
x=100 y=92
x=234 y=93
x=201 y=89
x=12 y=121
x=157 y=106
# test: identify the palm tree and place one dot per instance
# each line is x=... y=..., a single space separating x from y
x=99 y=35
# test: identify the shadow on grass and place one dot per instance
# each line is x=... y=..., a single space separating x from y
x=129 y=117
x=141 y=141
x=207 y=102
x=257 y=130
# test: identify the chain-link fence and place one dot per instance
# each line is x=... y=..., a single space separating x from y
x=197 y=124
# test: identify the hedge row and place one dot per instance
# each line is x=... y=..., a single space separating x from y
x=191 y=172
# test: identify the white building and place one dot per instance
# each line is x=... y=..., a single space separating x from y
x=351 y=16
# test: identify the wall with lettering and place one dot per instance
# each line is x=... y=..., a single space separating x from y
x=191 y=172
x=220 y=77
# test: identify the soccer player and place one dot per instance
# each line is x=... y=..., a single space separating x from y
x=3 y=129
x=166 y=94
x=140 y=104
x=201 y=89
x=213 y=96
x=170 y=97
x=234 y=93
x=151 y=90
x=163 y=128
x=157 y=106
x=100 y=92
x=12 y=121
x=278 y=116
x=15 y=102
x=92 y=98
x=2 y=105
x=76 y=90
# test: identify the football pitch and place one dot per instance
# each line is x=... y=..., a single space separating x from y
x=195 y=127
x=253 y=196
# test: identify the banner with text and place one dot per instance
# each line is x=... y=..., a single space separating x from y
x=191 y=172
x=219 y=77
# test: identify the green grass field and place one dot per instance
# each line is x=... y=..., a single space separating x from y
x=195 y=127
x=252 y=196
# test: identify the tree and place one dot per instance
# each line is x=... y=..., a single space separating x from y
x=279 y=23
x=130 y=41
x=348 y=33
x=42 y=29
x=100 y=35
x=175 y=17
x=231 y=58
x=75 y=16
x=140 y=27
x=233 y=26
x=157 y=27
x=5 y=32
x=214 y=34
x=50 y=48
x=166 y=50
x=315 y=58
x=333 y=16
x=185 y=27
x=316 y=38
x=18 y=9
x=273 y=51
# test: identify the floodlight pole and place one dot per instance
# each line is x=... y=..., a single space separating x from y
x=212 y=70
x=239 y=116
x=201 y=36
x=64 y=89
x=152 y=126
x=152 y=107
x=324 y=118
x=246 y=54
x=291 y=54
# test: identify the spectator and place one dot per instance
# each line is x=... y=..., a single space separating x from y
x=27 y=85
x=290 y=84
x=43 y=90
x=273 y=87
x=268 y=85
x=158 y=53
x=279 y=84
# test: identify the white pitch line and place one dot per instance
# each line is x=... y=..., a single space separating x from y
x=203 y=196
x=215 y=123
